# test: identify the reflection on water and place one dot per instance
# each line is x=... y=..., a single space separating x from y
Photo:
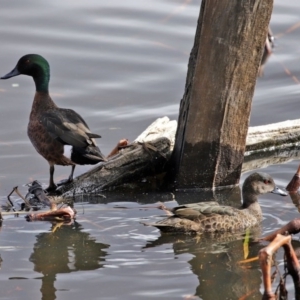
x=65 y=249
x=216 y=263
x=108 y=253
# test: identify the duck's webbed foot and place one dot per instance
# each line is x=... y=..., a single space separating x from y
x=51 y=188
x=64 y=181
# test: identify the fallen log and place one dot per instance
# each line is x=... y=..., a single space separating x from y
x=272 y=144
x=136 y=161
x=148 y=155
x=277 y=135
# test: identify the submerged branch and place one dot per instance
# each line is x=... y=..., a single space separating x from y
x=292 y=227
x=280 y=238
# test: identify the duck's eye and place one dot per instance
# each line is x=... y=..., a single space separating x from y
x=267 y=181
x=27 y=61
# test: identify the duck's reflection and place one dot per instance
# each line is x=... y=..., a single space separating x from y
x=217 y=256
x=65 y=249
x=217 y=264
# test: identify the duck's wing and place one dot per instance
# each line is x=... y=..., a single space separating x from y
x=68 y=127
x=202 y=209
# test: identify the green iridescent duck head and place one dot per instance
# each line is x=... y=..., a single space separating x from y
x=33 y=65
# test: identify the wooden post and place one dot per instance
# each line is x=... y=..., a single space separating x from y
x=215 y=109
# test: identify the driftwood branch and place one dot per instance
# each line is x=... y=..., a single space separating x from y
x=65 y=214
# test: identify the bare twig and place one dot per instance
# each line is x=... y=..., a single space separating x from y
x=121 y=144
x=8 y=198
x=292 y=227
x=21 y=196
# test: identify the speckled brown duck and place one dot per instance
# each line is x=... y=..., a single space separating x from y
x=212 y=217
x=53 y=131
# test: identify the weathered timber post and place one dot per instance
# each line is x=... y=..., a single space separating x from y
x=215 y=109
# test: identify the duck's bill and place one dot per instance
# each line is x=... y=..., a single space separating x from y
x=13 y=73
x=279 y=191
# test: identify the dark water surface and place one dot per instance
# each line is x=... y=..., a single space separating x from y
x=122 y=64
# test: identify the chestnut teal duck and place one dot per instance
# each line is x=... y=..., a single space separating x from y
x=212 y=217
x=52 y=130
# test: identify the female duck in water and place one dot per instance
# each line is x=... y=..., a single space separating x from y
x=211 y=217
x=51 y=129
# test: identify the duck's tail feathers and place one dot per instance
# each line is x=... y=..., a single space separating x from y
x=93 y=135
x=164 y=227
x=90 y=155
x=147 y=224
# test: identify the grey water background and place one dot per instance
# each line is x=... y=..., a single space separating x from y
x=121 y=65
